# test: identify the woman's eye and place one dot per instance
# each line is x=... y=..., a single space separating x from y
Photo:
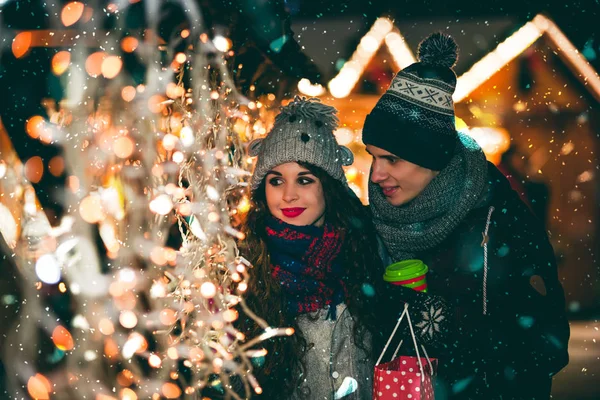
x=275 y=181
x=305 y=181
x=392 y=160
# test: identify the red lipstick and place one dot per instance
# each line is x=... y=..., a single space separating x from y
x=292 y=212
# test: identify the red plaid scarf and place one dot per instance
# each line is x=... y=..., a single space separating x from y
x=305 y=261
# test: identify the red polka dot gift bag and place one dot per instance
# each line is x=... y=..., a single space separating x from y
x=404 y=377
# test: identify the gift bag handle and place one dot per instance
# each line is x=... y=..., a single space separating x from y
x=414 y=338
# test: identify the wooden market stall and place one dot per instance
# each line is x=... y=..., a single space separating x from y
x=534 y=95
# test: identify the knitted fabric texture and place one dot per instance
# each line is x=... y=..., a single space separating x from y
x=304 y=260
x=303 y=132
x=428 y=219
x=414 y=119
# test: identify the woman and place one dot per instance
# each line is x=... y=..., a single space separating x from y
x=316 y=266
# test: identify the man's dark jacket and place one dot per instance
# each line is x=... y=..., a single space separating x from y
x=502 y=332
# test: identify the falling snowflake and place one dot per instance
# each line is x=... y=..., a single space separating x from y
x=432 y=319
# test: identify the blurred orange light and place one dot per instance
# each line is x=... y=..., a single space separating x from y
x=71 y=13
x=185 y=33
x=128 y=394
x=35 y=125
x=110 y=348
x=39 y=387
x=34 y=169
x=106 y=327
x=60 y=62
x=93 y=64
x=21 y=44
x=168 y=317
x=154 y=361
x=154 y=103
x=73 y=183
x=91 y=210
x=111 y=66
x=158 y=256
x=128 y=93
x=129 y=44
x=104 y=397
x=56 y=166
x=123 y=147
x=128 y=319
x=175 y=91
x=171 y=390
x=62 y=338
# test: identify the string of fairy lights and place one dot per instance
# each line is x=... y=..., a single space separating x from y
x=150 y=319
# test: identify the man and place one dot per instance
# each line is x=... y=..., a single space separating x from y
x=494 y=314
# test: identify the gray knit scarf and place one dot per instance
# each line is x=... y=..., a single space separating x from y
x=428 y=219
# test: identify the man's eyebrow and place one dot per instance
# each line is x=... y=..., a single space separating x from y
x=274 y=173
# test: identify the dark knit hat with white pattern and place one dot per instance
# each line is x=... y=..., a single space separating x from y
x=414 y=119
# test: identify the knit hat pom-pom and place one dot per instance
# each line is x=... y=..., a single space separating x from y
x=311 y=109
x=438 y=49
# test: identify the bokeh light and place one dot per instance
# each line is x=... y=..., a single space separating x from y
x=21 y=44
x=60 y=62
x=71 y=13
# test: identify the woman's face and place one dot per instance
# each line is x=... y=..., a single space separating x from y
x=295 y=195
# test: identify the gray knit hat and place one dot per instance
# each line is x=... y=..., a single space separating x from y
x=303 y=131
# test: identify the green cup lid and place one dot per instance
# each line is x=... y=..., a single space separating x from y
x=406 y=269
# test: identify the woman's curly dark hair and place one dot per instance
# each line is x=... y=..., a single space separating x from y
x=283 y=368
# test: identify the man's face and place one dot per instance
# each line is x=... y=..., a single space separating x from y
x=399 y=180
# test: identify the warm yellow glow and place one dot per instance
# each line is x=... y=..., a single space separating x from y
x=578 y=64
x=346 y=79
x=208 y=290
x=493 y=141
x=401 y=53
x=222 y=43
x=161 y=205
x=307 y=88
x=154 y=361
x=506 y=51
x=180 y=58
x=169 y=142
x=128 y=319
